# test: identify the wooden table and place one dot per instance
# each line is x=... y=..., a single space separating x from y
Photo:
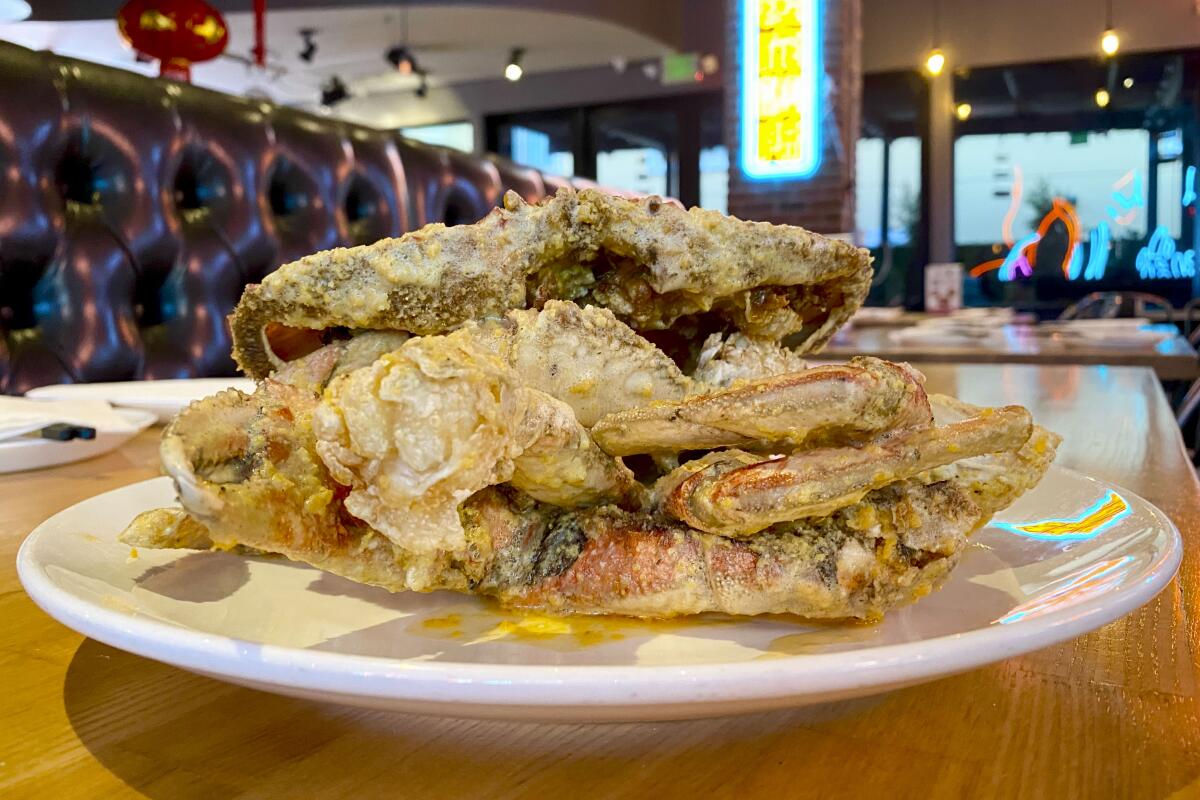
x=1172 y=359
x=1114 y=714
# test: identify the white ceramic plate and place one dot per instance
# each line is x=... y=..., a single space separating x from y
x=282 y=627
x=165 y=398
x=28 y=452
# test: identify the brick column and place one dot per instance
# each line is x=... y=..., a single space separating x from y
x=824 y=202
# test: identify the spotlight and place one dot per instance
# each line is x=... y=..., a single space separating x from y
x=1127 y=83
x=1110 y=43
x=513 y=70
x=1102 y=98
x=962 y=111
x=401 y=59
x=308 y=36
x=935 y=62
x=333 y=91
x=619 y=64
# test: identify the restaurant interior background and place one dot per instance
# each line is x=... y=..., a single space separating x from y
x=1049 y=168
x=632 y=98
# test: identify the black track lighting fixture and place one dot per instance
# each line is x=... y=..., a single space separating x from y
x=513 y=70
x=308 y=37
x=402 y=59
x=334 y=91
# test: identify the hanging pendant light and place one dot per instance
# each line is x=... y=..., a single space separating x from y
x=935 y=60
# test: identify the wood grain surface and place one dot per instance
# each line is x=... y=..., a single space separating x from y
x=1172 y=359
x=1113 y=714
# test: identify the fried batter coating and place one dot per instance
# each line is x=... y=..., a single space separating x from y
x=648 y=261
x=423 y=428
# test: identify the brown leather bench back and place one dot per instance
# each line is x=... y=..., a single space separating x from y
x=133 y=212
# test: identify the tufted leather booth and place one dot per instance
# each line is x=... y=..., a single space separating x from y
x=133 y=211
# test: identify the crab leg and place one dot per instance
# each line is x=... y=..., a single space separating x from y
x=849 y=402
x=731 y=498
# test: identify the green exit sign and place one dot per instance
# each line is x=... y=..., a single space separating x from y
x=680 y=67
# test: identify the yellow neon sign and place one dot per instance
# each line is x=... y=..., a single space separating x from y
x=781 y=80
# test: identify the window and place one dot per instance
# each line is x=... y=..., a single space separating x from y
x=1005 y=184
x=903 y=190
x=458 y=135
x=714 y=178
x=532 y=148
x=868 y=192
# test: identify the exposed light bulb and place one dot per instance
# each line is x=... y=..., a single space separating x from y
x=935 y=62
x=1102 y=97
x=962 y=111
x=1110 y=43
x=513 y=70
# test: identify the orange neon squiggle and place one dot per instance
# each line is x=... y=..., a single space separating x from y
x=1059 y=210
x=1006 y=234
x=987 y=266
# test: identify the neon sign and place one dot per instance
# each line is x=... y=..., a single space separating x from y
x=1160 y=259
x=1125 y=207
x=781 y=78
x=1022 y=256
x=1189 y=187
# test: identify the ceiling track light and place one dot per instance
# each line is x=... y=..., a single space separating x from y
x=334 y=91
x=1110 y=42
x=308 y=37
x=513 y=70
x=935 y=60
x=401 y=59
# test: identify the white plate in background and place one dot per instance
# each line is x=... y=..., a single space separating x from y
x=165 y=398
x=1035 y=576
x=32 y=452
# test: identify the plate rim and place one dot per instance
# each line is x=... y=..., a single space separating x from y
x=464 y=684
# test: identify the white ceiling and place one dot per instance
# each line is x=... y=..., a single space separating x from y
x=454 y=43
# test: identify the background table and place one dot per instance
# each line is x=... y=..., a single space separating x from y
x=1112 y=714
x=1172 y=359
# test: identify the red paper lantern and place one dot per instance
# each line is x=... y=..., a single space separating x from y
x=176 y=32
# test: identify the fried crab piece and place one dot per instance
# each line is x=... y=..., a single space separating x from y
x=997 y=479
x=890 y=549
x=725 y=360
x=837 y=403
x=733 y=494
x=585 y=357
x=423 y=428
x=650 y=262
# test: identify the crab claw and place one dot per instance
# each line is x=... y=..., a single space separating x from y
x=731 y=497
x=843 y=403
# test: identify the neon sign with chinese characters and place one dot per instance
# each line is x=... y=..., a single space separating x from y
x=781 y=88
x=1161 y=259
